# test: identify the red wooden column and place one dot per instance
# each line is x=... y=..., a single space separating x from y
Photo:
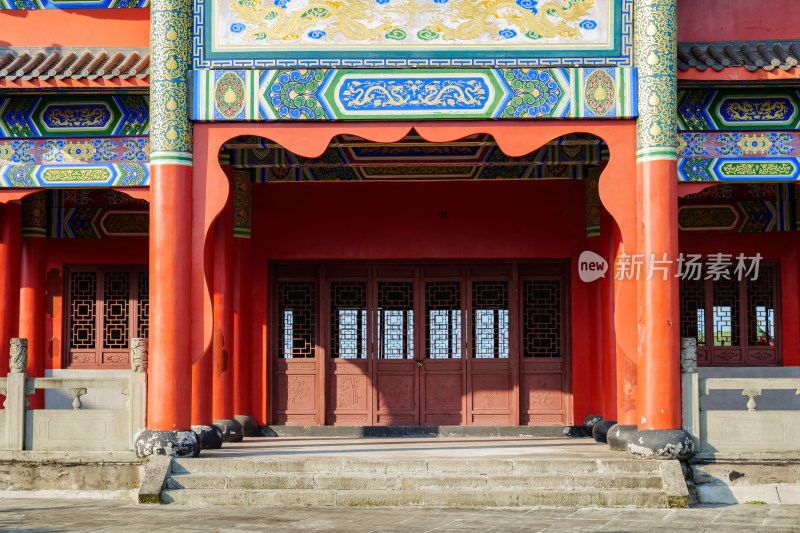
x=223 y=335
x=609 y=244
x=10 y=236
x=242 y=367
x=659 y=388
x=33 y=257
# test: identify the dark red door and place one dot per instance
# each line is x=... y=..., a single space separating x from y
x=443 y=378
x=395 y=346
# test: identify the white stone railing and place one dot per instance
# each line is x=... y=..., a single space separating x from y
x=76 y=429
x=741 y=430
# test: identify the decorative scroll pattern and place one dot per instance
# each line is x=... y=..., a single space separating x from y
x=733 y=109
x=297 y=312
x=761 y=308
x=733 y=144
x=80 y=175
x=83 y=310
x=443 y=319
x=693 y=310
x=330 y=94
x=68 y=151
x=541 y=318
x=412 y=33
x=395 y=320
x=70 y=116
x=349 y=320
x=726 y=313
x=739 y=169
x=143 y=305
x=116 y=311
x=490 y=319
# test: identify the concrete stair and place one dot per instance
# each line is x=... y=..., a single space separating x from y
x=414 y=482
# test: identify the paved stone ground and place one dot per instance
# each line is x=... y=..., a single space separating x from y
x=81 y=515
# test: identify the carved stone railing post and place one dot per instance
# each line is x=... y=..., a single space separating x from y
x=137 y=388
x=690 y=394
x=15 y=394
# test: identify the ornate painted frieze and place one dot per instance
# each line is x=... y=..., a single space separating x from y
x=76 y=175
x=739 y=169
x=95 y=214
x=71 y=116
x=411 y=33
x=732 y=109
x=170 y=37
x=655 y=56
x=72 y=4
x=329 y=94
x=738 y=144
x=241 y=202
x=746 y=208
x=71 y=151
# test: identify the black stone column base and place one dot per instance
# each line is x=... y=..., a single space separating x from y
x=661 y=444
x=600 y=430
x=231 y=430
x=210 y=436
x=172 y=443
x=618 y=436
x=248 y=423
x=588 y=424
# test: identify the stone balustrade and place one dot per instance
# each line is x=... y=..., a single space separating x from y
x=22 y=428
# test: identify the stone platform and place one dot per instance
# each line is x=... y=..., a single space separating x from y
x=506 y=472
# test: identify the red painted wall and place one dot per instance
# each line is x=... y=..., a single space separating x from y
x=739 y=20
x=783 y=246
x=392 y=221
x=61 y=252
x=76 y=27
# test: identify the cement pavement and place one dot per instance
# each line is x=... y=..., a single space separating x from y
x=45 y=515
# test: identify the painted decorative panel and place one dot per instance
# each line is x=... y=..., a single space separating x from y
x=72 y=4
x=411 y=33
x=68 y=116
x=76 y=175
x=742 y=207
x=739 y=169
x=737 y=144
x=329 y=94
x=730 y=109
x=70 y=151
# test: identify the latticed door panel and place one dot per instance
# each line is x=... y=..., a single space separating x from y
x=543 y=330
x=736 y=322
x=105 y=307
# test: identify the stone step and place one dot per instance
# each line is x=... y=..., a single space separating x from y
x=494 y=498
x=411 y=466
x=305 y=481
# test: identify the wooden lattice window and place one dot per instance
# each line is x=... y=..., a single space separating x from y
x=105 y=308
x=736 y=322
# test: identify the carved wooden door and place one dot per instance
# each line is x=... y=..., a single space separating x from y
x=544 y=344
x=395 y=346
x=298 y=366
x=348 y=345
x=442 y=377
x=491 y=357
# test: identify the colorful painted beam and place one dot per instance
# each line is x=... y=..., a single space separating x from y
x=74 y=116
x=411 y=34
x=754 y=169
x=76 y=175
x=72 y=151
x=742 y=207
x=738 y=144
x=71 y=4
x=735 y=109
x=328 y=94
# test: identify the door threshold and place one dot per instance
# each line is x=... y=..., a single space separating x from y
x=356 y=432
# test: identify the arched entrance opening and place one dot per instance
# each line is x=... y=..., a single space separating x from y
x=328 y=237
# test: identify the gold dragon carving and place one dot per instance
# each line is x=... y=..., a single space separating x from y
x=353 y=19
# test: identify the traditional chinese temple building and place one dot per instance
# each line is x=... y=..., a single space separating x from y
x=369 y=213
